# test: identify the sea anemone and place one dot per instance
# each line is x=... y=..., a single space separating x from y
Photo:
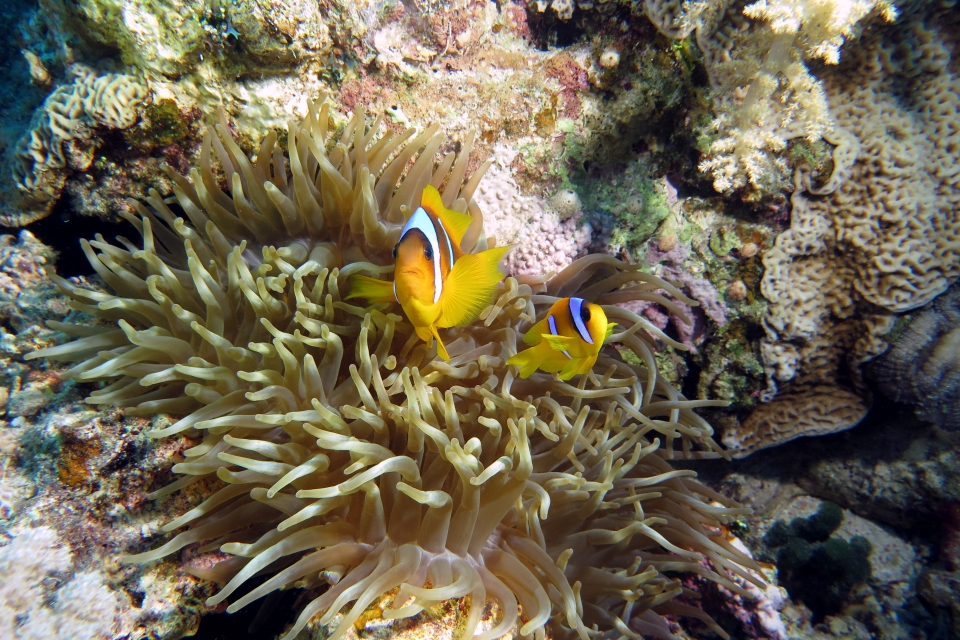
x=343 y=456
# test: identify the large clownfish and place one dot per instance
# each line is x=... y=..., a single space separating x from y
x=437 y=284
x=568 y=340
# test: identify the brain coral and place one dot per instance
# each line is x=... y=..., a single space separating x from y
x=880 y=239
x=59 y=139
x=342 y=456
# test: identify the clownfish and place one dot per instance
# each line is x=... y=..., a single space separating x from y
x=436 y=284
x=568 y=340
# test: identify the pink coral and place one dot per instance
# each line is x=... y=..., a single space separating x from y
x=550 y=246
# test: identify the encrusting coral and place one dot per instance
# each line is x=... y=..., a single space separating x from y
x=342 y=453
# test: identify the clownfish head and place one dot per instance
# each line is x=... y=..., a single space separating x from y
x=414 y=271
x=424 y=257
x=589 y=320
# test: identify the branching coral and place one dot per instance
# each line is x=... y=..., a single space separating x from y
x=343 y=453
x=60 y=137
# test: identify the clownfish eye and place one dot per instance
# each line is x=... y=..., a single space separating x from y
x=428 y=252
x=395 y=247
x=585 y=314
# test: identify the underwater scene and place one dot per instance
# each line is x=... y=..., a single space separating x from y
x=479 y=319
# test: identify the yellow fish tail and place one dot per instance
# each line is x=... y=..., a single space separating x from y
x=528 y=361
x=370 y=288
x=470 y=286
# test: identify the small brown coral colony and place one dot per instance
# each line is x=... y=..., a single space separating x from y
x=346 y=458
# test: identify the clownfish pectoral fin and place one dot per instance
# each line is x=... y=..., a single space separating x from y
x=372 y=289
x=559 y=343
x=528 y=361
x=441 y=350
x=470 y=286
x=609 y=332
x=534 y=335
x=454 y=222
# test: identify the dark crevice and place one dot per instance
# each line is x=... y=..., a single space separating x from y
x=63 y=232
x=279 y=611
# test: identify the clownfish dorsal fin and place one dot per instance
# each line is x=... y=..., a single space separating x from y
x=454 y=222
x=470 y=286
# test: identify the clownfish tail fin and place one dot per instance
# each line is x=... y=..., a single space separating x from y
x=610 y=327
x=470 y=286
x=371 y=289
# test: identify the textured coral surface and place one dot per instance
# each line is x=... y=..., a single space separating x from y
x=883 y=241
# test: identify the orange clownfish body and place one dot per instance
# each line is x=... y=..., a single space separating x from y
x=568 y=340
x=437 y=284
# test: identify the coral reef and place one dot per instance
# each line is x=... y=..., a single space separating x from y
x=785 y=515
x=61 y=139
x=756 y=56
x=327 y=446
x=922 y=366
x=882 y=241
x=172 y=37
x=689 y=322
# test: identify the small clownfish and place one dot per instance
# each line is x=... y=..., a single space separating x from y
x=437 y=284
x=568 y=340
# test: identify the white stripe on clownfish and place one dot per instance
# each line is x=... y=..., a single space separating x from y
x=422 y=223
x=552 y=323
x=576 y=307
